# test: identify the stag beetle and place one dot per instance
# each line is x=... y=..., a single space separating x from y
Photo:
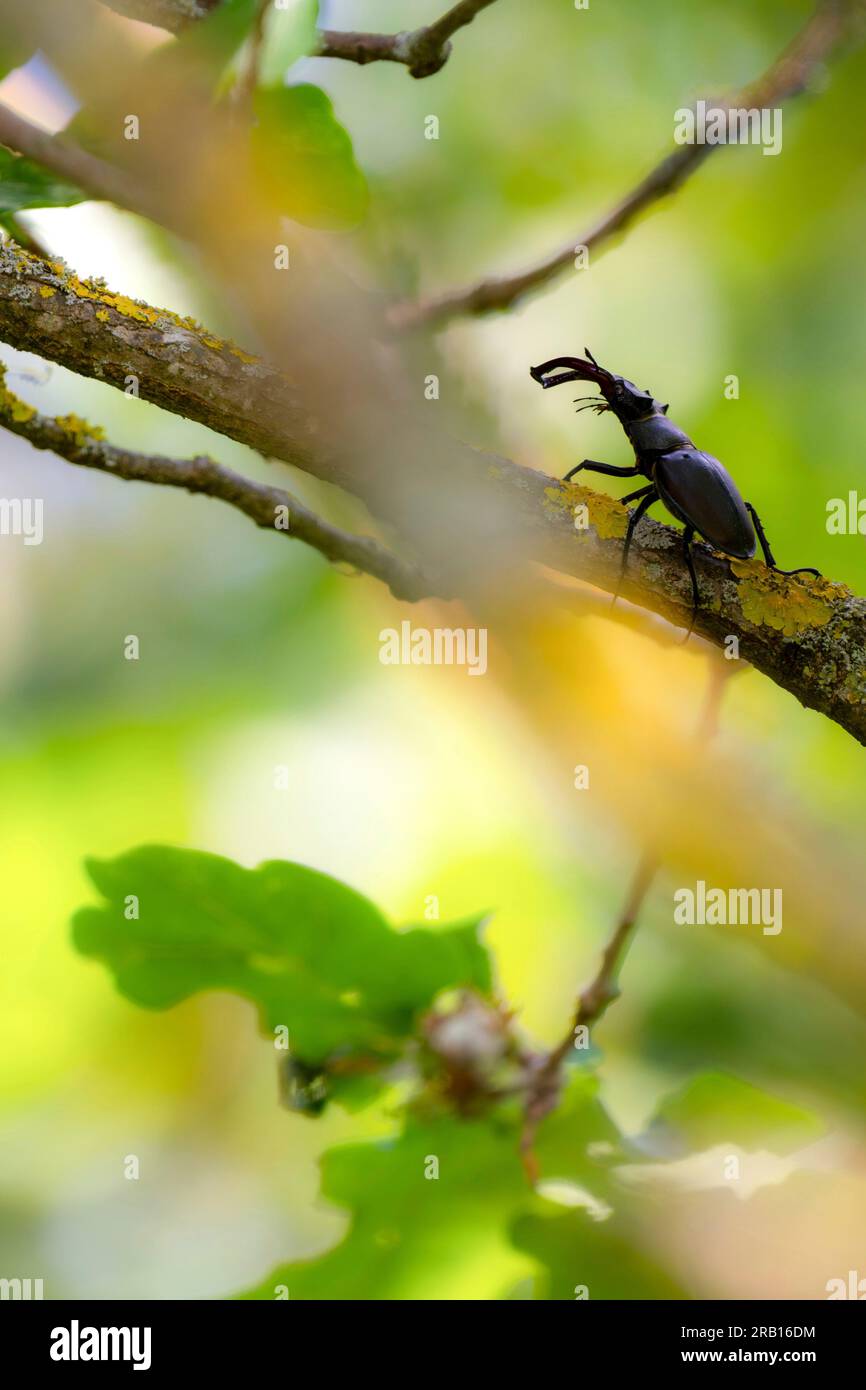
x=694 y=486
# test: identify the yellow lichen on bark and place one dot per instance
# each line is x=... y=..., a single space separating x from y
x=16 y=411
x=607 y=516
x=11 y=406
x=61 y=279
x=788 y=605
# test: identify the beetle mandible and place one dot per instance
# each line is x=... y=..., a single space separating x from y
x=694 y=486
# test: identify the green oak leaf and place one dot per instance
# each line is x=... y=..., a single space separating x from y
x=24 y=184
x=311 y=953
x=714 y=1109
x=584 y=1258
x=305 y=157
x=741 y=1017
x=414 y=1236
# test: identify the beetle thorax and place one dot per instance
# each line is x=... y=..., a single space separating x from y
x=656 y=434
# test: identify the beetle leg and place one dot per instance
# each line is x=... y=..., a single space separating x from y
x=765 y=546
x=649 y=497
x=762 y=536
x=641 y=492
x=688 y=536
x=592 y=467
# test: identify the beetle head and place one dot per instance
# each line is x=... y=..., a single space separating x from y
x=629 y=403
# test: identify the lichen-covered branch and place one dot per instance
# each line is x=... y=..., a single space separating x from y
x=832 y=23
x=806 y=634
x=170 y=360
x=271 y=508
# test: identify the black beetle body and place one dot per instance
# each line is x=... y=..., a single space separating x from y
x=700 y=492
x=695 y=487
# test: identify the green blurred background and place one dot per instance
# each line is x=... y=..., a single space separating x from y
x=405 y=783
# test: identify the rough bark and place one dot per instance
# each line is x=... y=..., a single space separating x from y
x=806 y=634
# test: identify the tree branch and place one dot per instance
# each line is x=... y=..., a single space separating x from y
x=424 y=51
x=806 y=634
x=789 y=75
x=78 y=442
x=545 y=1086
x=178 y=364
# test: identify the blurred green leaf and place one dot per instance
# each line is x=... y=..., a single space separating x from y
x=414 y=1236
x=746 y=1017
x=314 y=955
x=581 y=1253
x=24 y=184
x=717 y=1109
x=305 y=156
x=409 y=1234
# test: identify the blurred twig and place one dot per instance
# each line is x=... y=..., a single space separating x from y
x=789 y=75
x=74 y=164
x=544 y=1089
x=174 y=15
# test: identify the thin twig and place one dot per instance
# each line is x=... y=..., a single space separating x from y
x=789 y=75
x=174 y=15
x=423 y=51
x=603 y=989
x=271 y=508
